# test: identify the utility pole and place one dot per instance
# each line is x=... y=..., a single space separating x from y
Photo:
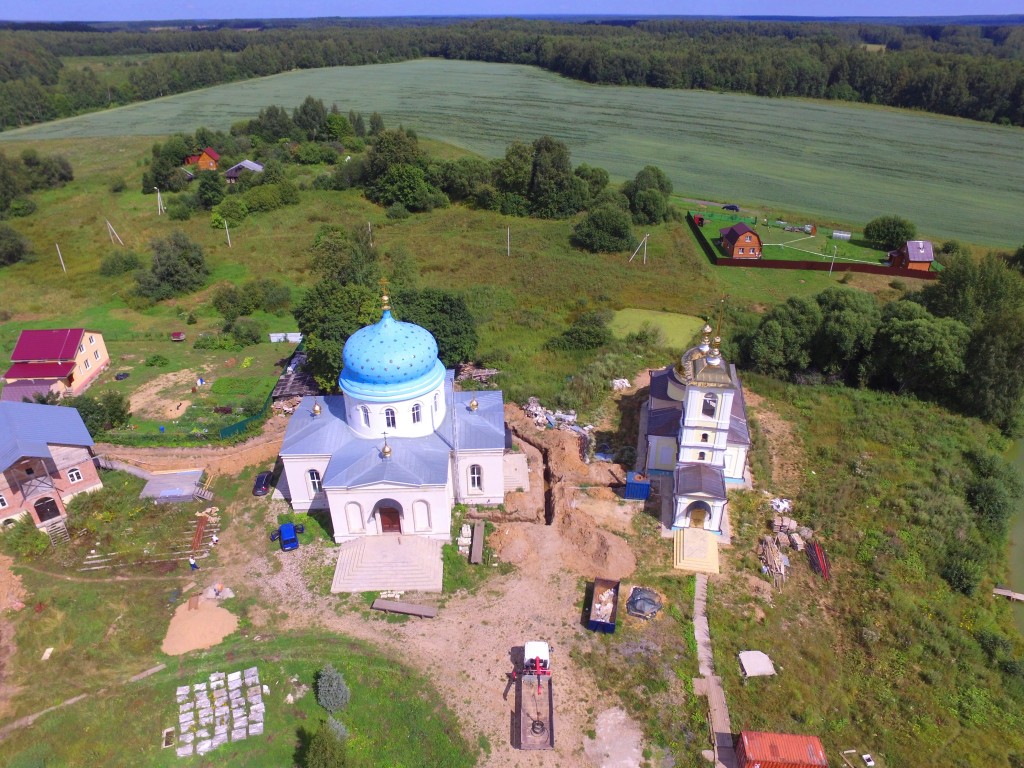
x=159 y=202
x=226 y=232
x=643 y=244
x=59 y=256
x=832 y=266
x=508 y=243
x=369 y=230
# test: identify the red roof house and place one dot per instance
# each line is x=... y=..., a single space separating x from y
x=64 y=360
x=205 y=160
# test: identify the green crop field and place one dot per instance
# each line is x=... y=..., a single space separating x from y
x=843 y=163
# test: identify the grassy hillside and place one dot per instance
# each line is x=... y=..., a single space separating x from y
x=840 y=162
x=520 y=302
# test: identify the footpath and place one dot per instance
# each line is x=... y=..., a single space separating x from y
x=709 y=684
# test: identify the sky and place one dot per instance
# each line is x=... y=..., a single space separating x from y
x=139 y=10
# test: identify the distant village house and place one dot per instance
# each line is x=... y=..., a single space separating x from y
x=913 y=254
x=232 y=173
x=45 y=461
x=740 y=242
x=204 y=161
x=63 y=361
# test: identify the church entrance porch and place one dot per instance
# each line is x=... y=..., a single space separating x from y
x=697 y=514
x=376 y=563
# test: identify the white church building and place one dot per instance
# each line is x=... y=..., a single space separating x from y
x=697 y=435
x=399 y=446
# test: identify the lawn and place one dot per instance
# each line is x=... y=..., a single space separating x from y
x=841 y=162
x=678 y=330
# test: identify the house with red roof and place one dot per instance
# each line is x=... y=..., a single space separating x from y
x=64 y=361
x=740 y=242
x=204 y=161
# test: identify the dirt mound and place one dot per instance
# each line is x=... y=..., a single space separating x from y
x=591 y=551
x=524 y=506
x=12 y=593
x=204 y=626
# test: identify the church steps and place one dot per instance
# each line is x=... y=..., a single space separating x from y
x=403 y=563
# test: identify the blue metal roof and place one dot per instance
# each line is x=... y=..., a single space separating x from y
x=390 y=360
x=28 y=429
x=356 y=461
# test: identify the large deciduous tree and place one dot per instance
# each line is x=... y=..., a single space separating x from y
x=605 y=229
x=179 y=266
x=889 y=232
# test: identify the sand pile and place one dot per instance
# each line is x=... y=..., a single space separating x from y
x=204 y=626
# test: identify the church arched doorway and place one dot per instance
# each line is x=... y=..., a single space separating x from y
x=47 y=509
x=389 y=514
x=698 y=513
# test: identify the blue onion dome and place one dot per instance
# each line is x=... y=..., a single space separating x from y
x=390 y=360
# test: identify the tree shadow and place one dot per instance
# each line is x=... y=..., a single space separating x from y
x=622 y=440
x=303 y=738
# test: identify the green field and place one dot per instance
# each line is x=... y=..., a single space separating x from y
x=843 y=163
x=677 y=329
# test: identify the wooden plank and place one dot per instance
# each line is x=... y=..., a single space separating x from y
x=198 y=538
x=193 y=603
x=476 y=551
x=394 y=606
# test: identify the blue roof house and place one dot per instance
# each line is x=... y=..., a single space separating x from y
x=44 y=461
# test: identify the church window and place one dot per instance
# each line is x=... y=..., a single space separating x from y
x=710 y=405
x=315 y=483
x=701 y=456
x=476 y=477
x=366 y=415
x=416 y=413
x=704 y=437
x=389 y=418
x=435 y=402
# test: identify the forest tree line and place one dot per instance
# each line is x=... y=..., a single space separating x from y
x=975 y=72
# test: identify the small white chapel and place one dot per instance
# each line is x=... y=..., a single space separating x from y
x=697 y=435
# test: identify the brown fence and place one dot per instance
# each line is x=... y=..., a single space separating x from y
x=819 y=266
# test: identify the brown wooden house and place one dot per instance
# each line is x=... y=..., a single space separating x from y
x=913 y=254
x=740 y=242
x=204 y=161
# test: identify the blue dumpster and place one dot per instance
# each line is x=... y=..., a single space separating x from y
x=638 y=486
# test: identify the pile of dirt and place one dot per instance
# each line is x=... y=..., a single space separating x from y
x=524 y=506
x=200 y=627
x=591 y=551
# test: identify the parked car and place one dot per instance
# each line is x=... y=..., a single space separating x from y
x=262 y=485
x=868 y=761
x=731 y=207
x=288 y=535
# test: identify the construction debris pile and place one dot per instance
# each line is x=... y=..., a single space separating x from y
x=470 y=371
x=789 y=533
x=620 y=384
x=604 y=605
x=545 y=419
x=465 y=539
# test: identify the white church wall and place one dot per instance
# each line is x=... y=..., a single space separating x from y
x=661 y=453
x=491 y=488
x=424 y=511
x=296 y=469
x=370 y=420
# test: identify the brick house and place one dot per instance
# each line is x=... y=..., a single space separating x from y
x=45 y=461
x=64 y=361
x=913 y=254
x=204 y=161
x=740 y=242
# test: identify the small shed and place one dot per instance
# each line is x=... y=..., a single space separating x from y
x=232 y=173
x=914 y=254
x=740 y=242
x=839 y=234
x=755 y=749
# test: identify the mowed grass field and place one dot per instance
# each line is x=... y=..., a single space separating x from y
x=842 y=163
x=677 y=329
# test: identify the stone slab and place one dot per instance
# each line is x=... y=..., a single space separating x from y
x=203 y=747
x=234 y=676
x=239 y=733
x=185 y=751
x=255 y=729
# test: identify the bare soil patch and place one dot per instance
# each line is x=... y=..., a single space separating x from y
x=12 y=598
x=203 y=627
x=785 y=449
x=618 y=742
x=165 y=397
x=217 y=460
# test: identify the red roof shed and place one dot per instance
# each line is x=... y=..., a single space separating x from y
x=779 y=750
x=51 y=345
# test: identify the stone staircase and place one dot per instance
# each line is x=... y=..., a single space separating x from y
x=389 y=562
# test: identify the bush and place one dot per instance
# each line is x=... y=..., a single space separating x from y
x=326 y=750
x=247 y=331
x=889 y=232
x=589 y=331
x=118 y=185
x=24 y=539
x=397 y=211
x=109 y=410
x=215 y=341
x=13 y=247
x=120 y=263
x=157 y=361
x=21 y=206
x=338 y=728
x=233 y=210
x=605 y=229
x=182 y=207
x=332 y=691
x=179 y=266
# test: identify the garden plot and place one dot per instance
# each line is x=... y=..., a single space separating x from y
x=778 y=244
x=226 y=708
